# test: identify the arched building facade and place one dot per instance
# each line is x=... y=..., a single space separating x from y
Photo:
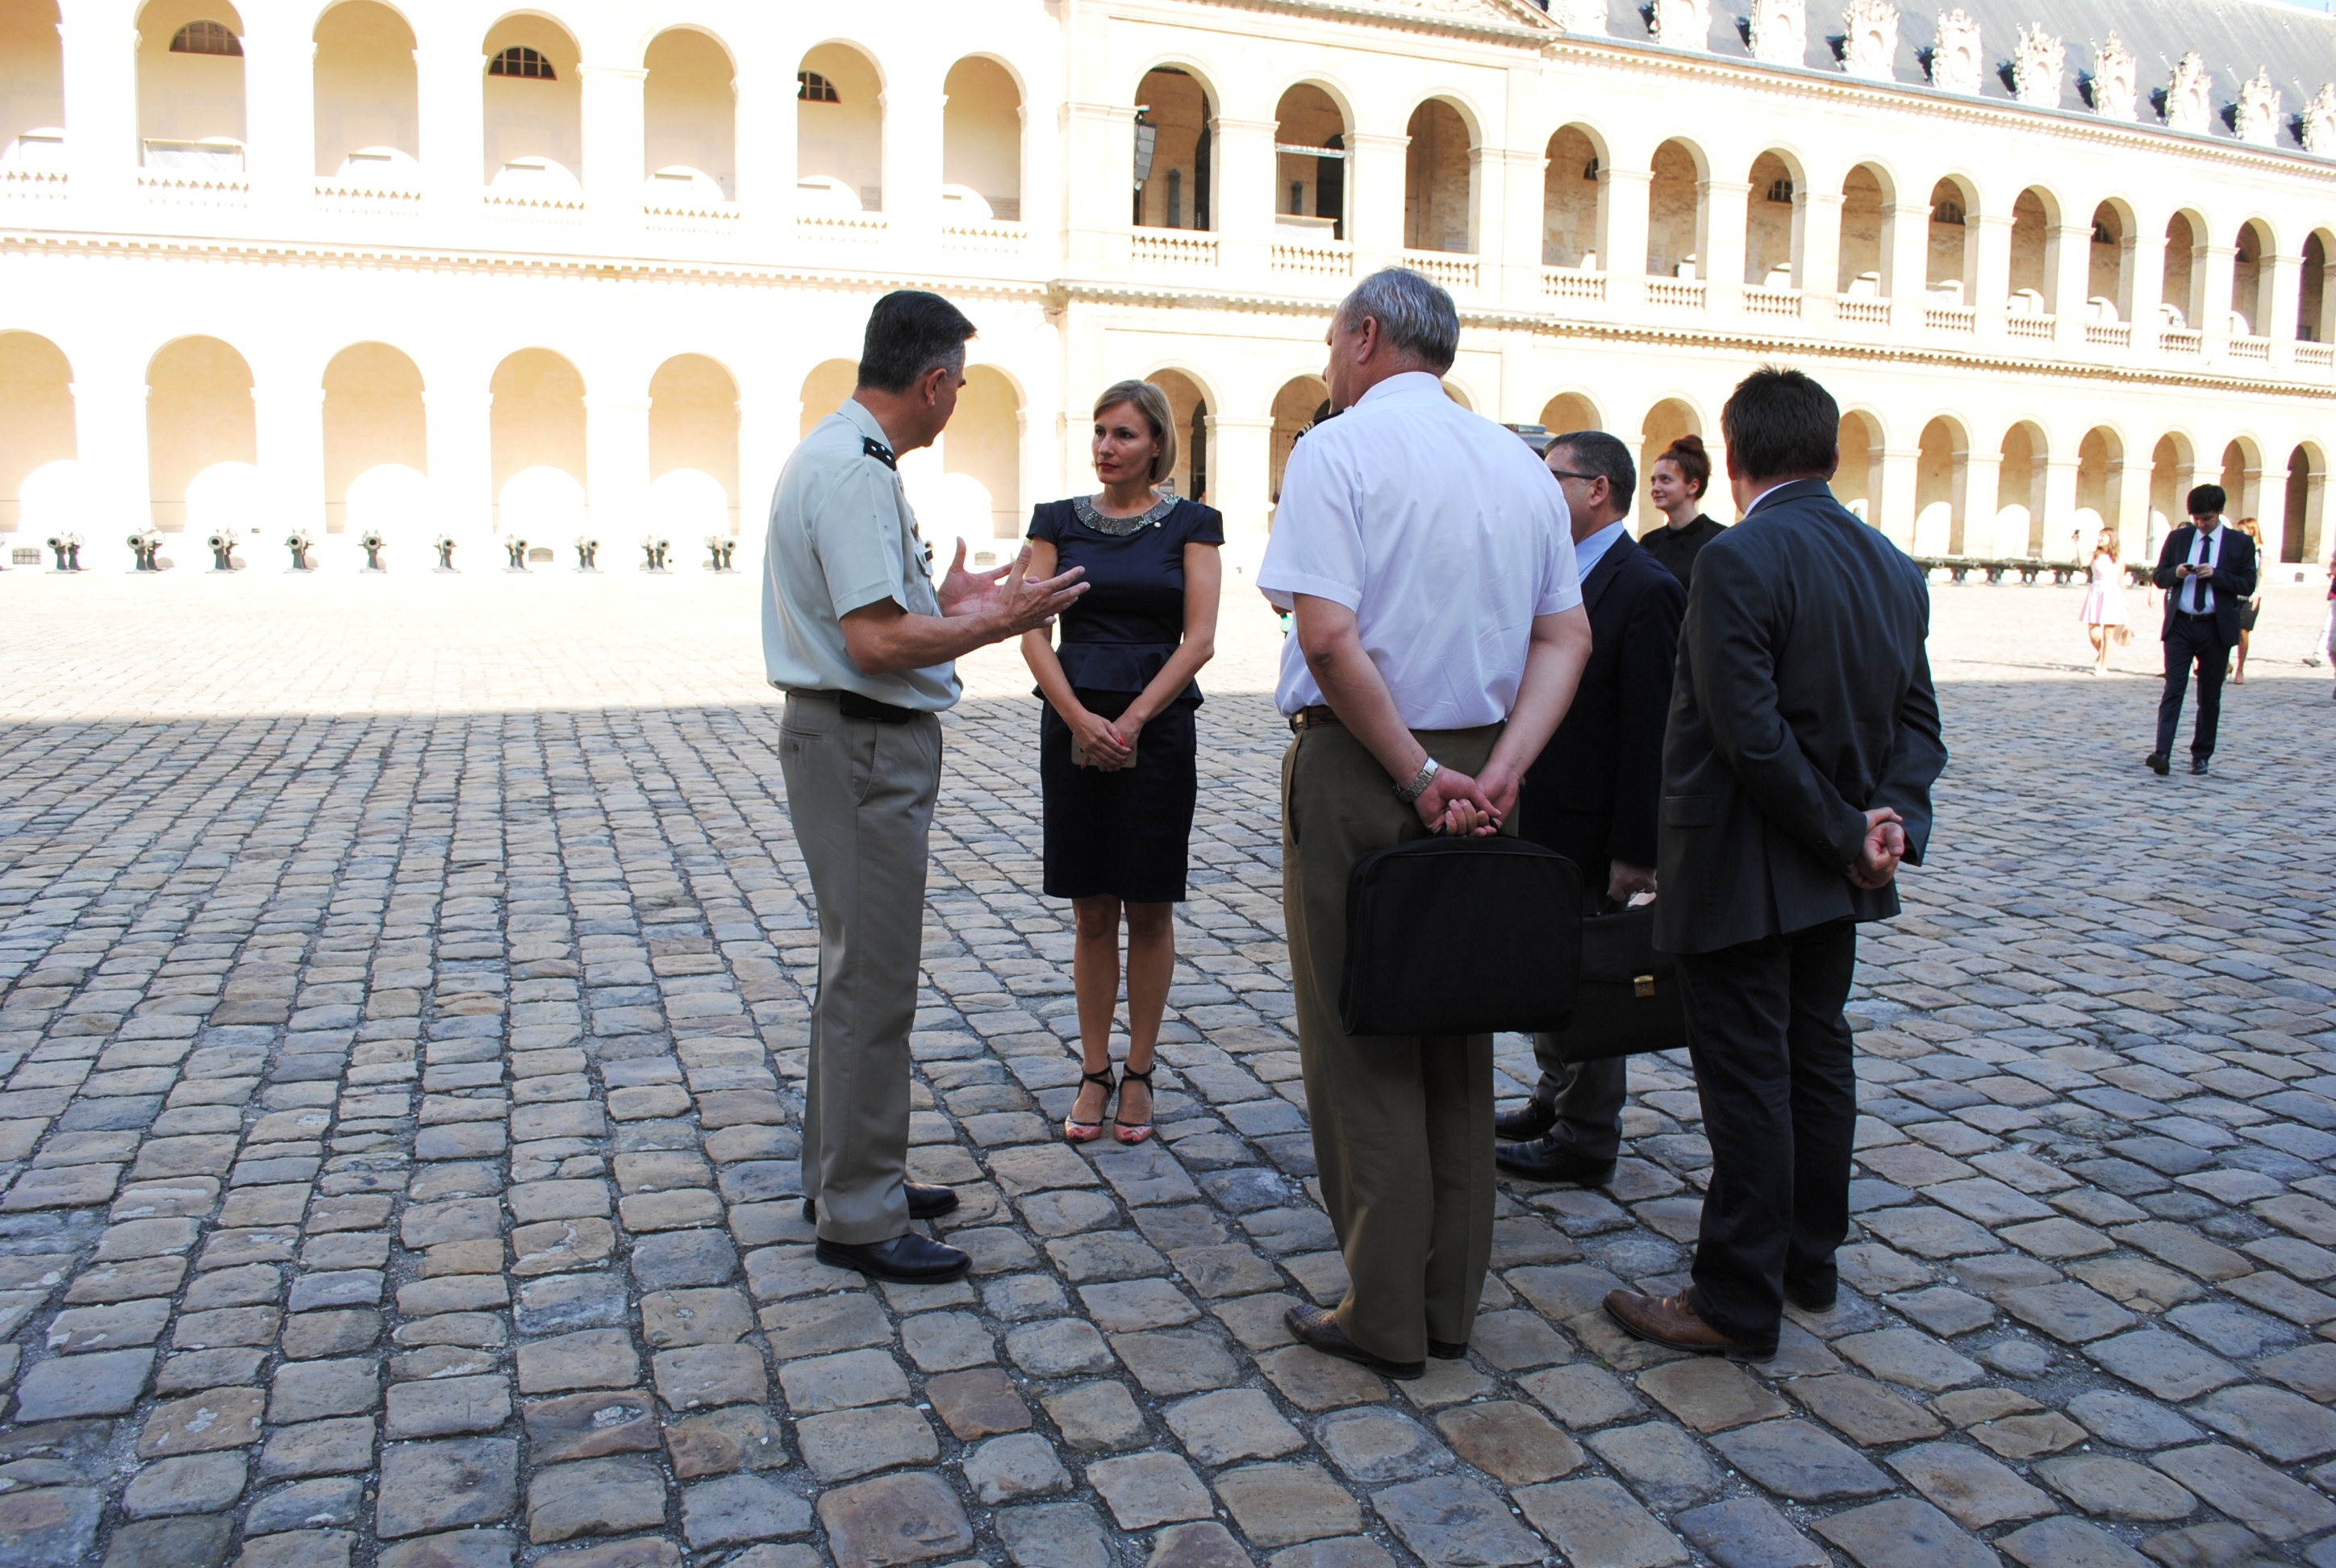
x=598 y=267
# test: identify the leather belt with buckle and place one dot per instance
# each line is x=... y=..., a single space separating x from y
x=1317 y=717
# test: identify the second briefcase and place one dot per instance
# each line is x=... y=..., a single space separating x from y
x=1460 y=936
x=1628 y=1000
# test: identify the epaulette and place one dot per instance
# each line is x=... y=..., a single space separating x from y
x=871 y=447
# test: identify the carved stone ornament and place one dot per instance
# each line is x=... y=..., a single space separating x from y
x=2117 y=90
x=1683 y=24
x=2035 y=67
x=2187 y=105
x=1869 y=46
x=1780 y=31
x=2320 y=123
x=1955 y=60
x=2258 y=116
x=1580 y=15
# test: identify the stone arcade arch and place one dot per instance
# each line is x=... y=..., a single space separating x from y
x=1439 y=181
x=824 y=389
x=2181 y=283
x=33 y=89
x=2108 y=274
x=190 y=89
x=1175 y=192
x=368 y=104
x=1942 y=472
x=2241 y=479
x=1302 y=400
x=1866 y=227
x=2019 y=478
x=199 y=417
x=1188 y=405
x=1573 y=201
x=2100 y=476
x=1310 y=190
x=689 y=120
x=1568 y=411
x=2315 y=288
x=982 y=143
x=2032 y=281
x=2300 y=532
x=534 y=122
x=36 y=416
x=1773 y=213
x=839 y=132
x=1857 y=482
x=980 y=462
x=1952 y=261
x=694 y=449
x=374 y=418
x=2173 y=470
x=1665 y=422
x=536 y=426
x=1676 y=211
x=2251 y=282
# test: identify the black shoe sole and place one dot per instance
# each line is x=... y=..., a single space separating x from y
x=836 y=1257
x=916 y=1211
x=1445 y=1351
x=2158 y=765
x=1578 y=1175
x=1811 y=1304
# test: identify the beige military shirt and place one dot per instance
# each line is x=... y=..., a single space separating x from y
x=843 y=537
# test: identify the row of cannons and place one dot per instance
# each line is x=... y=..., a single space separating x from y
x=146 y=551
x=2027 y=568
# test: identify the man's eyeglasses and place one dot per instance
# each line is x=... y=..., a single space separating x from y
x=1569 y=474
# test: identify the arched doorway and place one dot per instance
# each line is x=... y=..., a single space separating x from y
x=982 y=143
x=2173 y=470
x=190 y=81
x=1771 y=224
x=1173 y=184
x=1568 y=411
x=374 y=416
x=1188 y=406
x=2032 y=280
x=689 y=113
x=825 y=389
x=1866 y=228
x=1857 y=481
x=533 y=102
x=2108 y=276
x=1302 y=400
x=2180 y=306
x=536 y=426
x=1665 y=422
x=33 y=105
x=2019 y=495
x=2251 y=276
x=1573 y=202
x=839 y=133
x=36 y=416
x=1953 y=255
x=1941 y=461
x=2241 y=479
x=199 y=417
x=369 y=97
x=694 y=432
x=1439 y=181
x=1675 y=212
x=980 y=462
x=2299 y=529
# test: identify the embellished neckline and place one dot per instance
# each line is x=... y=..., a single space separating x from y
x=1120 y=527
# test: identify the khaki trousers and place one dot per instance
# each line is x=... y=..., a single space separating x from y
x=861 y=795
x=1403 y=1124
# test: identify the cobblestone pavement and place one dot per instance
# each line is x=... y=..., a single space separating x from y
x=402 y=998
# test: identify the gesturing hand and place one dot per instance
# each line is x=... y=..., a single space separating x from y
x=1884 y=847
x=1007 y=595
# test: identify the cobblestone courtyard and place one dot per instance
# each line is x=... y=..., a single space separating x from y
x=402 y=998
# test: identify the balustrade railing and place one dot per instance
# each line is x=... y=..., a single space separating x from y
x=1174 y=247
x=2257 y=349
x=991 y=238
x=18 y=184
x=1444 y=267
x=1314 y=258
x=2189 y=344
x=1569 y=283
x=1959 y=319
x=555 y=211
x=170 y=190
x=1763 y=301
x=2315 y=356
x=2036 y=329
x=2108 y=334
x=1676 y=293
x=1859 y=310
x=344 y=199
x=840 y=228
x=679 y=217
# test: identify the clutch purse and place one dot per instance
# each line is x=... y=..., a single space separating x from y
x=1627 y=1001
x=1460 y=936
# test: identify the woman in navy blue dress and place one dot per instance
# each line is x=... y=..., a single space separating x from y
x=1116 y=739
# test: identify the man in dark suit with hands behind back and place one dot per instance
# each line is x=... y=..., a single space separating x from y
x=2208 y=574
x=1803 y=742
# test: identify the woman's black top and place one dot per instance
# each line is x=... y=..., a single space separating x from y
x=1119 y=634
x=1677 y=548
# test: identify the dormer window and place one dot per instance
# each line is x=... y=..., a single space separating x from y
x=520 y=61
x=810 y=87
x=205 y=38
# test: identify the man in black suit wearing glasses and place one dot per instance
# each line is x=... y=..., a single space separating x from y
x=2208 y=574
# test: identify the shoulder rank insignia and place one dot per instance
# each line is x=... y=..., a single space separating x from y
x=871 y=447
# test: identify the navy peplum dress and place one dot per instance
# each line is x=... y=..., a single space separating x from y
x=1124 y=834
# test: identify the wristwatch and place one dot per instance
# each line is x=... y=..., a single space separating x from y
x=1408 y=793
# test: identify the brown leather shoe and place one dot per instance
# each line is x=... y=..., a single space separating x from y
x=1318 y=1328
x=1670 y=1320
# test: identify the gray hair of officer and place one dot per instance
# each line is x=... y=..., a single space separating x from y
x=1416 y=317
x=911 y=334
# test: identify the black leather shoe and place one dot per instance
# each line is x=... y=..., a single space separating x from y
x=910 y=1260
x=1527 y=1122
x=1544 y=1160
x=1811 y=1298
x=2158 y=763
x=2197 y=764
x=1318 y=1327
x=924 y=1202
x=1443 y=1350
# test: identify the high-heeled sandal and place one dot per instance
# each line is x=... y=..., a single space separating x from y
x=1137 y=1132
x=1077 y=1131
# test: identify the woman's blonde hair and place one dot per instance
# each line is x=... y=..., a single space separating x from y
x=1153 y=403
x=2106 y=543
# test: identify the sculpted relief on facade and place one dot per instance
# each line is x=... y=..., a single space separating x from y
x=2117 y=90
x=2036 y=68
x=1683 y=24
x=1580 y=15
x=1780 y=31
x=1869 y=46
x=2188 y=96
x=2320 y=123
x=2258 y=117
x=1955 y=59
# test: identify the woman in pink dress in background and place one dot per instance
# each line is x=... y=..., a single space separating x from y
x=2104 y=611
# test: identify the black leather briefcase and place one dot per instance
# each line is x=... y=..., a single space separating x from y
x=1627 y=1000
x=1460 y=936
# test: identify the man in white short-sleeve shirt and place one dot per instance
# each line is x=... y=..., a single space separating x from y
x=1425 y=555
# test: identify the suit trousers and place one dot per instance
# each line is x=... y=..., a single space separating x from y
x=1586 y=1096
x=2189 y=642
x=1774 y=1070
x=1403 y=1124
x=861 y=795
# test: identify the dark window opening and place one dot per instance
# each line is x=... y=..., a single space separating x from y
x=522 y=61
x=205 y=38
x=810 y=87
x=1200 y=448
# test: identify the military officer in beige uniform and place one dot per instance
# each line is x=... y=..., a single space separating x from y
x=863 y=640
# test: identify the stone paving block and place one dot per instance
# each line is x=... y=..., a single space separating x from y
x=2163 y=1365
x=448 y=1406
x=431 y=1486
x=1175 y=1361
x=706 y=1375
x=594 y=1497
x=2061 y=1542
x=1595 y=1521
x=720 y=1442
x=1010 y=1468
x=588 y=1358
x=1313 y=1381
x=1514 y=1443
x=2249 y=1491
x=741 y=1508
x=1663 y=1463
x=1972 y=1488
x=1746 y=1532
x=1209 y=1546
x=1283 y=1504
x=219 y=1418
x=848 y=1444
x=1050 y=1536
x=1220 y=1428
x=977 y=1404
x=1096 y=1416
x=1448 y=1520
x=1912 y=1361
x=1903 y=1533
x=1709 y=1395
x=199 y=1540
x=2109 y=1487
x=1583 y=1397
x=190 y=1484
x=843 y=1382
x=825 y=1324
x=1796 y=1460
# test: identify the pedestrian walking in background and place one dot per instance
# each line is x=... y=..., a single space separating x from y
x=863 y=640
x=2249 y=612
x=2208 y=574
x=1676 y=483
x=1117 y=753
x=1592 y=795
x=1424 y=554
x=1797 y=766
x=2103 y=613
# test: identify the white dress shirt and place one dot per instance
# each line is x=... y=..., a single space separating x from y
x=1590 y=551
x=1445 y=535
x=2205 y=550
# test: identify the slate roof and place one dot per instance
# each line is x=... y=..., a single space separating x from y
x=2235 y=37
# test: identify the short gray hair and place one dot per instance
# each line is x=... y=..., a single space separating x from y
x=1415 y=317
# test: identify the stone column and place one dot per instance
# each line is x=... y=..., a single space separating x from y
x=768 y=420
x=617 y=467
x=766 y=148
x=110 y=434
x=2315 y=514
x=2133 y=506
x=1099 y=183
x=289 y=420
x=2148 y=261
x=451 y=78
x=101 y=90
x=2060 y=512
x=1622 y=244
x=2069 y=267
x=1516 y=199
x=1375 y=174
x=1242 y=470
x=912 y=164
x=1241 y=203
x=1899 y=466
x=1980 y=473
x=2211 y=269
x=1818 y=274
x=1719 y=248
x=615 y=131
x=1906 y=268
x=1986 y=273
x=279 y=115
x=459 y=436
x=2286 y=281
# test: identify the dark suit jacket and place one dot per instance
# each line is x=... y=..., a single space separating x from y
x=1592 y=794
x=2234 y=581
x=1803 y=699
